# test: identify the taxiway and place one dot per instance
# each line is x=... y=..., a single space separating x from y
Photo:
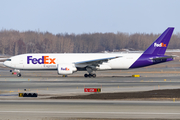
x=48 y=84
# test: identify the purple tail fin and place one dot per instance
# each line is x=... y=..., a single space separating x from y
x=159 y=46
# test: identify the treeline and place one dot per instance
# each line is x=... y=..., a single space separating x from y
x=14 y=42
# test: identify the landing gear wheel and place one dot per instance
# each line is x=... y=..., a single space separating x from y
x=86 y=75
x=90 y=75
x=93 y=75
x=19 y=74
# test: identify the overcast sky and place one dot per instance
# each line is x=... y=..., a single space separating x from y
x=89 y=16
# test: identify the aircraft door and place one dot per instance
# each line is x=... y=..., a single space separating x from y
x=20 y=63
x=20 y=60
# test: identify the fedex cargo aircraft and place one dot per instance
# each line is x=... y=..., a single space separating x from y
x=68 y=63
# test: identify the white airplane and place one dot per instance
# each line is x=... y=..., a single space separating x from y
x=68 y=63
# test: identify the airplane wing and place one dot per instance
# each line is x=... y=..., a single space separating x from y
x=95 y=62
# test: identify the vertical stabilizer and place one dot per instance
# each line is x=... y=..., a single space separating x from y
x=159 y=46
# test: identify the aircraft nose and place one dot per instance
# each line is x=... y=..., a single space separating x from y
x=5 y=63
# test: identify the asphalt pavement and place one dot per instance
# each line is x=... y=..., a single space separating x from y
x=48 y=84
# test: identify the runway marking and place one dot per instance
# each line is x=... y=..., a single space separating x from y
x=56 y=112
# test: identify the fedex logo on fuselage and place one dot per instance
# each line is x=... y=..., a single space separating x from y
x=42 y=60
x=159 y=45
x=66 y=69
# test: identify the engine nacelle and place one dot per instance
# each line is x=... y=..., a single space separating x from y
x=66 y=69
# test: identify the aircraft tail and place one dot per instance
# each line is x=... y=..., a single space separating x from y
x=159 y=46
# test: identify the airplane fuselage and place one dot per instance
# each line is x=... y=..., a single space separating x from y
x=50 y=61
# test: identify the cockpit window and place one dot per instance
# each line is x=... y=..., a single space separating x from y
x=8 y=60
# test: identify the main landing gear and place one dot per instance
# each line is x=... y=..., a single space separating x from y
x=90 y=75
x=89 y=70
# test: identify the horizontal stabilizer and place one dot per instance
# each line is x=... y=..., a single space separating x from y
x=158 y=58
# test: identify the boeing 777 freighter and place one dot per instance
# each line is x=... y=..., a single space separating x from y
x=68 y=63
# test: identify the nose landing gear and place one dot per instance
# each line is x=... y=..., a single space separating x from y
x=19 y=75
x=16 y=72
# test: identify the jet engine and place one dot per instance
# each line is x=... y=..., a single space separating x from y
x=66 y=69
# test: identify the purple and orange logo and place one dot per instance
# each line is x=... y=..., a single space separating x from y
x=159 y=45
x=66 y=69
x=43 y=60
